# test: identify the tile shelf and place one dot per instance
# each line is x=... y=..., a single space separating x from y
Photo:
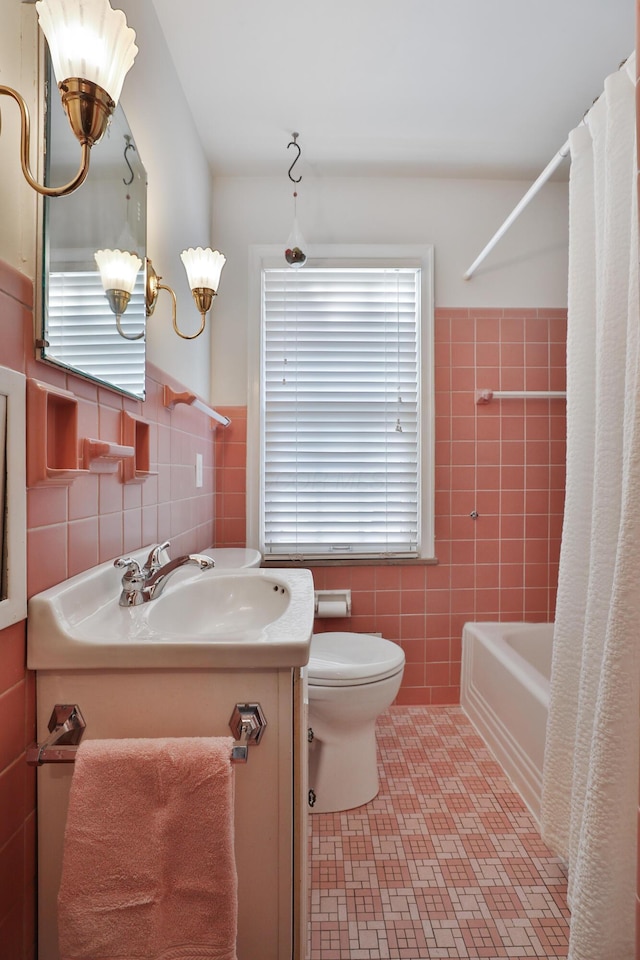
x=53 y=443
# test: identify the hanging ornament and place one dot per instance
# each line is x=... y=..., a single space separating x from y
x=294 y=253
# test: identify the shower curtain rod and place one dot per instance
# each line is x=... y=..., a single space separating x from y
x=553 y=164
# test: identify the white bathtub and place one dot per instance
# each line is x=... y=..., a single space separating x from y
x=505 y=693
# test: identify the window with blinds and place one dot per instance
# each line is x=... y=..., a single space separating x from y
x=342 y=412
x=82 y=332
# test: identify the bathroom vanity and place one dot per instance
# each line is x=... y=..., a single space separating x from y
x=181 y=699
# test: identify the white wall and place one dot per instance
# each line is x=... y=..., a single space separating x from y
x=18 y=209
x=179 y=196
x=527 y=269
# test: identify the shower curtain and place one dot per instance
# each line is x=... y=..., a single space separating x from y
x=590 y=779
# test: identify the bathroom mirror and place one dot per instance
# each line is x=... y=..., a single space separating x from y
x=107 y=212
x=13 y=517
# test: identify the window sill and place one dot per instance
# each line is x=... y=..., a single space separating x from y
x=355 y=562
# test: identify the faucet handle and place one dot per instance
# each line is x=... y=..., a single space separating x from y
x=153 y=561
x=133 y=581
x=129 y=564
x=205 y=563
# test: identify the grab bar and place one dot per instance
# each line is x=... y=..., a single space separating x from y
x=67 y=725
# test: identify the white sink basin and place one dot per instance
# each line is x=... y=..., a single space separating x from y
x=228 y=605
x=216 y=618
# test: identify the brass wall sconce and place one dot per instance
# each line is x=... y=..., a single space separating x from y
x=92 y=48
x=203 y=272
x=119 y=269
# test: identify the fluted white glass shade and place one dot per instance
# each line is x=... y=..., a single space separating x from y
x=203 y=267
x=88 y=39
x=118 y=269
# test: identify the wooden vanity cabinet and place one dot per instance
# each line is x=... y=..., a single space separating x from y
x=270 y=789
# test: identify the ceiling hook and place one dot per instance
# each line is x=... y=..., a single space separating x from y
x=128 y=147
x=295 y=144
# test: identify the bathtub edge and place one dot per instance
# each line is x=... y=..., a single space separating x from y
x=523 y=774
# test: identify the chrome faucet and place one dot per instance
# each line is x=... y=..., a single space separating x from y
x=141 y=584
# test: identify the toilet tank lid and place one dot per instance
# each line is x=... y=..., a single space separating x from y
x=233 y=558
x=352 y=657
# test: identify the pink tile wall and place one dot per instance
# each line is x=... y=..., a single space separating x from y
x=230 y=474
x=504 y=460
x=17 y=702
x=17 y=799
x=98 y=517
x=70 y=529
x=638 y=168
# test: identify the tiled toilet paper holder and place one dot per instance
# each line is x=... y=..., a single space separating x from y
x=328 y=599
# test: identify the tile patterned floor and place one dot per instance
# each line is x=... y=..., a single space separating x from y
x=446 y=862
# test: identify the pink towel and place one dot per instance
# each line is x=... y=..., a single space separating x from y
x=149 y=869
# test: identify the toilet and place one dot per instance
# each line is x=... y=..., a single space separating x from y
x=352 y=678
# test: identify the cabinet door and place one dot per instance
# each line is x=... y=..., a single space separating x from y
x=188 y=703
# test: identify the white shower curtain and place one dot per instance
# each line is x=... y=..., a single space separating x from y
x=590 y=781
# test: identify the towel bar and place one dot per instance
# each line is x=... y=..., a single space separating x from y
x=486 y=396
x=67 y=726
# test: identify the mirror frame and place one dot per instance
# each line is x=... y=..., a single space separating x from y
x=51 y=106
x=13 y=606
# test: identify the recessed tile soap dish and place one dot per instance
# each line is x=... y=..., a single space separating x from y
x=52 y=435
x=136 y=433
x=56 y=456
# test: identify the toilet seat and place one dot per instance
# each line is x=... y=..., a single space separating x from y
x=350 y=659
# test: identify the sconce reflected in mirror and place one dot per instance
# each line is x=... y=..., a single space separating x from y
x=92 y=49
x=119 y=269
x=118 y=272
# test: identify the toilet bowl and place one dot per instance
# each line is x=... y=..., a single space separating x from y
x=352 y=678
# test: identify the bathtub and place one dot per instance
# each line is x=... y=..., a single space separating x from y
x=505 y=693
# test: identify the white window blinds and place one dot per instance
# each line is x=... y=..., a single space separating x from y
x=82 y=332
x=341 y=412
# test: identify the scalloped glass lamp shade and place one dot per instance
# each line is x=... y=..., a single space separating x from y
x=118 y=272
x=203 y=267
x=118 y=269
x=88 y=39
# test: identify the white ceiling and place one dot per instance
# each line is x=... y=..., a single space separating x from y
x=459 y=88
